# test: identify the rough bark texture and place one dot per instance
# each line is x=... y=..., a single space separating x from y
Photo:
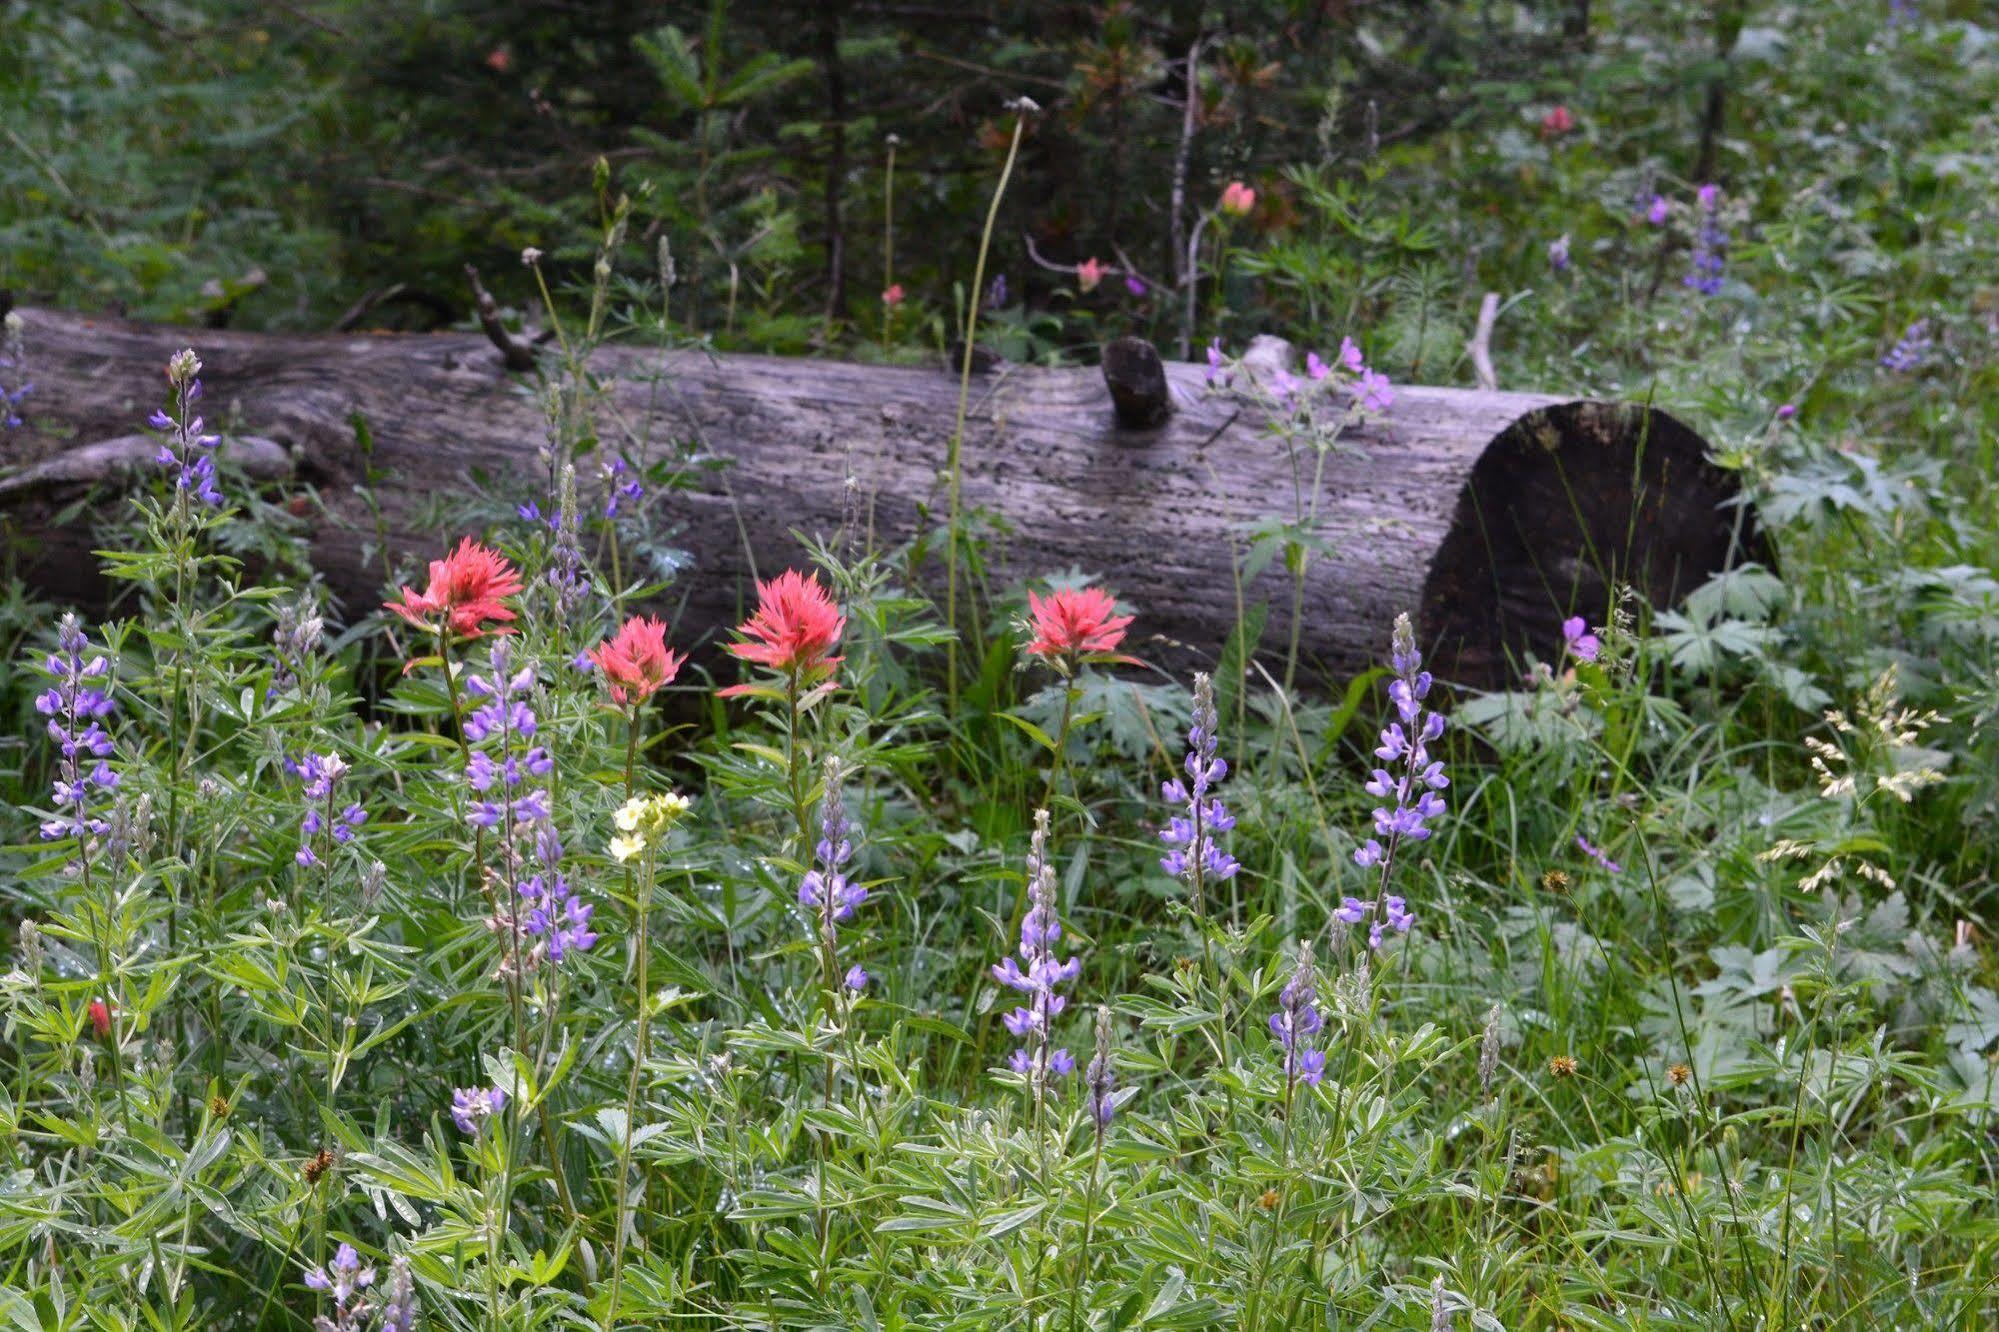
x=1493 y=514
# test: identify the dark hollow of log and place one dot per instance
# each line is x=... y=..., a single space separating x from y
x=1491 y=515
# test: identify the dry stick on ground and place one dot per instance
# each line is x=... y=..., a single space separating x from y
x=1491 y=515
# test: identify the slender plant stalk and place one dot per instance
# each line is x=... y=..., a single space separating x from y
x=953 y=457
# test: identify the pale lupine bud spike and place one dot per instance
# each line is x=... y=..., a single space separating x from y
x=1488 y=1051
x=1102 y=1075
x=1440 y=1311
x=399 y=1313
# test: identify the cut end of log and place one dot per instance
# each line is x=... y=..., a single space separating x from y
x=1570 y=503
x=1136 y=378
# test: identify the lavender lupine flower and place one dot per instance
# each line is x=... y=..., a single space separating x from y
x=566 y=575
x=469 y=1105
x=1135 y=284
x=1558 y=253
x=344 y=1279
x=826 y=890
x=1297 y=1021
x=1409 y=783
x=623 y=484
x=76 y=705
x=856 y=979
x=1197 y=858
x=187 y=452
x=1710 y=244
x=321 y=774
x=1596 y=853
x=1101 y=1076
x=1658 y=211
x=12 y=357
x=543 y=917
x=996 y=292
x=1578 y=641
x=1911 y=350
x=1040 y=931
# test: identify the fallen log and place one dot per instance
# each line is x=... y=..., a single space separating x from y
x=1491 y=515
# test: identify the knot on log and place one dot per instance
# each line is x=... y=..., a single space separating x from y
x=1136 y=378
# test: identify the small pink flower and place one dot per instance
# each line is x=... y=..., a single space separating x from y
x=1238 y=199
x=1557 y=122
x=1375 y=392
x=1316 y=368
x=1089 y=273
x=1350 y=356
x=892 y=296
x=1659 y=211
x=1580 y=642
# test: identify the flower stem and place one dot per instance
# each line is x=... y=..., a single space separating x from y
x=956 y=451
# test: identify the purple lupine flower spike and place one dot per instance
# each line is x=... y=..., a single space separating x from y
x=76 y=705
x=13 y=356
x=1196 y=858
x=826 y=891
x=1408 y=783
x=344 y=1279
x=544 y=919
x=469 y=1105
x=187 y=452
x=1040 y=930
x=1710 y=252
x=1297 y=1021
x=1911 y=350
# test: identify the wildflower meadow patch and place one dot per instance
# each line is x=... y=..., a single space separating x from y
x=449 y=899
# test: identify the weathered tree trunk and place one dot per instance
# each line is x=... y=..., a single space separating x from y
x=1491 y=515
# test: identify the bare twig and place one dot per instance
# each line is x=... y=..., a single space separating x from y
x=1480 y=346
x=358 y=311
x=517 y=354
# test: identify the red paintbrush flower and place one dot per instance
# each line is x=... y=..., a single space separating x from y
x=636 y=661
x=467 y=588
x=1075 y=622
x=100 y=1018
x=795 y=627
